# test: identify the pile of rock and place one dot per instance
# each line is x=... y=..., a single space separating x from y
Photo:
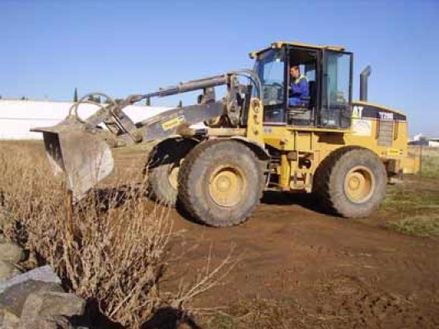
x=34 y=299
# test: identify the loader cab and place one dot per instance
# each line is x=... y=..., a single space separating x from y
x=328 y=71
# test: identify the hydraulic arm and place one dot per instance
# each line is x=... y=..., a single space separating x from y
x=81 y=148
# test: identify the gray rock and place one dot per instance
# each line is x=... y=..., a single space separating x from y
x=50 y=303
x=8 y=320
x=11 y=252
x=58 y=322
x=14 y=297
x=26 y=302
x=43 y=273
x=7 y=270
x=50 y=310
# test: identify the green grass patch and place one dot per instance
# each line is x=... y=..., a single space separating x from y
x=413 y=207
x=430 y=165
x=418 y=225
x=411 y=200
x=429 y=160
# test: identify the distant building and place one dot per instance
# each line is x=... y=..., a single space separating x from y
x=433 y=142
x=420 y=139
x=17 y=117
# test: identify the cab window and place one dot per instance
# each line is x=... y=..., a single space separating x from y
x=270 y=68
x=336 y=96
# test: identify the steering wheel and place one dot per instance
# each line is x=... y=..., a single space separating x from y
x=277 y=85
x=273 y=91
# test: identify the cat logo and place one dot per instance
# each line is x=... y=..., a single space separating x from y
x=357 y=112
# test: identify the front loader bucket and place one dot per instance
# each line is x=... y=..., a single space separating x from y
x=77 y=150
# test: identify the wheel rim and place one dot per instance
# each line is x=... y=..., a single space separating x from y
x=226 y=186
x=359 y=184
x=173 y=176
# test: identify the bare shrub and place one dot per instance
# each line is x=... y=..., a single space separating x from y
x=112 y=247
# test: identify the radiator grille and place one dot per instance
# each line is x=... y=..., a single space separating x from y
x=385 y=133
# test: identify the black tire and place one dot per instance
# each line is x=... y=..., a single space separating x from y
x=332 y=182
x=163 y=164
x=220 y=183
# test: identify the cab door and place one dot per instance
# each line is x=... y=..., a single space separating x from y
x=336 y=97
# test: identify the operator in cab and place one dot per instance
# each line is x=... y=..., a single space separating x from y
x=299 y=89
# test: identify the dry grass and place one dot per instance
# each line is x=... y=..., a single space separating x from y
x=112 y=248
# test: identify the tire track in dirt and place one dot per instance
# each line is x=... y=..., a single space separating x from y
x=343 y=273
x=338 y=273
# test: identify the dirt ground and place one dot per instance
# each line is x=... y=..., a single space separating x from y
x=300 y=268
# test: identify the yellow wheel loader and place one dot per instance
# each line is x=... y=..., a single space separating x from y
x=343 y=151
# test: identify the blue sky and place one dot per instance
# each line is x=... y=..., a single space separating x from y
x=120 y=47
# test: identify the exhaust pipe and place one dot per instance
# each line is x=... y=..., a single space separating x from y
x=364 y=76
